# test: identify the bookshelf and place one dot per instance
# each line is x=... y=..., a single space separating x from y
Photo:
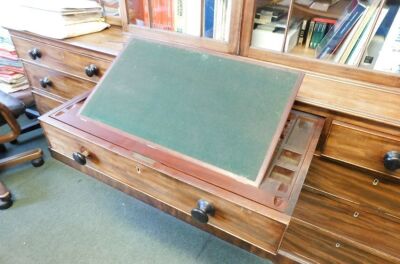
x=211 y=24
x=364 y=39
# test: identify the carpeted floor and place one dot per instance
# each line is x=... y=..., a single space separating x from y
x=63 y=216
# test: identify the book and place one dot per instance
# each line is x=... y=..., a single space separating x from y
x=360 y=46
x=376 y=42
x=187 y=17
x=336 y=37
x=317 y=34
x=162 y=14
x=208 y=27
x=364 y=20
x=326 y=25
x=309 y=33
x=193 y=17
x=222 y=19
x=303 y=32
x=389 y=56
x=179 y=15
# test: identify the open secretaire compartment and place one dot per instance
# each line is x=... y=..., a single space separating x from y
x=283 y=179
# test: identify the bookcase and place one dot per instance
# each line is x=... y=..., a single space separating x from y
x=211 y=24
x=324 y=36
x=344 y=38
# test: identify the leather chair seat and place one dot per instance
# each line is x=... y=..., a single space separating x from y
x=16 y=106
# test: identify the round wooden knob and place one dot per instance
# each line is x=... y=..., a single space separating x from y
x=44 y=82
x=203 y=210
x=35 y=53
x=391 y=160
x=91 y=70
x=80 y=157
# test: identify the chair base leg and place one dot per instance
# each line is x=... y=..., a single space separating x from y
x=34 y=156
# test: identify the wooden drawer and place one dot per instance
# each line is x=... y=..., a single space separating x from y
x=45 y=103
x=255 y=228
x=310 y=244
x=359 y=187
x=379 y=232
x=360 y=147
x=61 y=84
x=60 y=59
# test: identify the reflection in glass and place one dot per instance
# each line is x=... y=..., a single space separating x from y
x=200 y=18
x=111 y=7
x=270 y=24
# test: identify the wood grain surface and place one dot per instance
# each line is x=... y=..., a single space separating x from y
x=63 y=85
x=45 y=103
x=309 y=244
x=361 y=147
x=254 y=228
x=372 y=192
x=377 y=231
x=52 y=57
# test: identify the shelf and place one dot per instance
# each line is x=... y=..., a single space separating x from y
x=335 y=11
x=303 y=51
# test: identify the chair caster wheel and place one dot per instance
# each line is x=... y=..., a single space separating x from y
x=6 y=202
x=37 y=162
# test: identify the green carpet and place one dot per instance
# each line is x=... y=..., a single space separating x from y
x=63 y=216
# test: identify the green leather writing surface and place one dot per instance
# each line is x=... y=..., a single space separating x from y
x=217 y=110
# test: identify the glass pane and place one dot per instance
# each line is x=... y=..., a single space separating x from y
x=207 y=18
x=138 y=12
x=334 y=30
x=383 y=50
x=111 y=7
x=270 y=24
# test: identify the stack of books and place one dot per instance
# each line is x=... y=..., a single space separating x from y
x=313 y=30
x=58 y=19
x=12 y=76
x=347 y=42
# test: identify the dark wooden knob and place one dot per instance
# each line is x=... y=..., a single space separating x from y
x=391 y=160
x=203 y=210
x=80 y=157
x=35 y=53
x=91 y=70
x=44 y=82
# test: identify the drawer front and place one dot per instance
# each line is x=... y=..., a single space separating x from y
x=247 y=225
x=60 y=59
x=347 y=220
x=359 y=187
x=313 y=245
x=45 y=103
x=361 y=147
x=55 y=82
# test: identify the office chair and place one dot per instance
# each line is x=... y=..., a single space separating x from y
x=10 y=109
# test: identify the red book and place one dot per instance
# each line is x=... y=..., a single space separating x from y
x=324 y=20
x=162 y=14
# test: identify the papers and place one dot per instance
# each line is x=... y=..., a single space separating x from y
x=12 y=78
x=54 y=18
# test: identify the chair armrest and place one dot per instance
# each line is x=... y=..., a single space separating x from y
x=12 y=123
